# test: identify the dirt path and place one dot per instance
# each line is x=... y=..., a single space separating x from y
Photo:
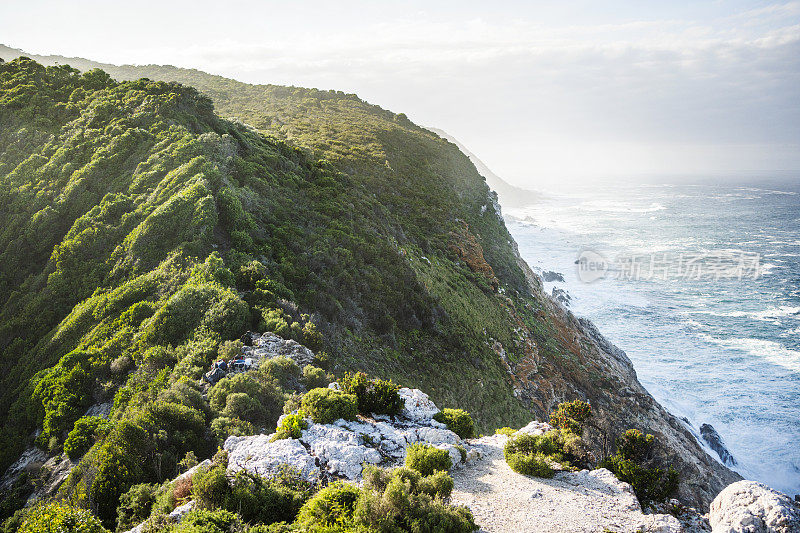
x=504 y=501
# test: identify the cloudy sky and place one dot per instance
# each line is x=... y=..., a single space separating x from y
x=539 y=90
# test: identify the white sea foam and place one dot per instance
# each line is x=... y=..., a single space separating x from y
x=768 y=350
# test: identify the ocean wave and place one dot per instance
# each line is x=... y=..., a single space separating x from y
x=618 y=207
x=768 y=350
x=771 y=314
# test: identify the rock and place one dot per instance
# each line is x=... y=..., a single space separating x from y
x=660 y=523
x=177 y=514
x=51 y=475
x=561 y=296
x=550 y=276
x=189 y=473
x=536 y=428
x=99 y=409
x=31 y=460
x=418 y=407
x=340 y=451
x=752 y=507
x=269 y=345
x=713 y=439
x=259 y=456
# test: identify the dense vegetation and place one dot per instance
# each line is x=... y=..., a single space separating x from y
x=142 y=235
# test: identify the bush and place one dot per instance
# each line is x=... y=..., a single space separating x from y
x=282 y=370
x=458 y=421
x=534 y=454
x=404 y=501
x=87 y=429
x=314 y=377
x=426 y=459
x=240 y=405
x=58 y=517
x=631 y=464
x=507 y=431
x=210 y=487
x=332 y=506
x=268 y=500
x=206 y=521
x=262 y=408
x=324 y=406
x=571 y=416
x=437 y=485
x=374 y=395
x=530 y=464
x=291 y=427
x=135 y=505
x=223 y=427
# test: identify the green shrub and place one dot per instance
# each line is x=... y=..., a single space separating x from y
x=223 y=427
x=284 y=371
x=426 y=459
x=59 y=517
x=208 y=521
x=324 y=406
x=135 y=505
x=534 y=454
x=437 y=485
x=291 y=427
x=374 y=395
x=210 y=488
x=530 y=464
x=268 y=500
x=332 y=506
x=571 y=416
x=396 y=502
x=458 y=421
x=507 y=431
x=631 y=464
x=87 y=429
x=314 y=377
x=262 y=407
x=241 y=405
x=635 y=445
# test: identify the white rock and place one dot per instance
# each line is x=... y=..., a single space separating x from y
x=431 y=435
x=751 y=507
x=177 y=514
x=455 y=454
x=418 y=407
x=536 y=428
x=270 y=345
x=339 y=449
x=259 y=456
x=189 y=473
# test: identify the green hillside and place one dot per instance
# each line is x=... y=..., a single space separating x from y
x=140 y=231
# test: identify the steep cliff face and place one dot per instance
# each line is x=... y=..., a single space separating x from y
x=175 y=230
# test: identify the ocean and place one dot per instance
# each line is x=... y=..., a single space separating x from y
x=699 y=283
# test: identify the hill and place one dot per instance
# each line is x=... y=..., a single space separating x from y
x=142 y=232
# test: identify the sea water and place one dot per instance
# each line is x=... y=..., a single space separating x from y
x=700 y=286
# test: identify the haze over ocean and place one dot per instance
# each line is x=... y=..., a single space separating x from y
x=720 y=351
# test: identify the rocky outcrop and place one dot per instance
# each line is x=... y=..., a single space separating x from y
x=713 y=439
x=751 y=507
x=341 y=449
x=269 y=345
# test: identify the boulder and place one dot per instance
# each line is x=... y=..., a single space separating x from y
x=536 y=428
x=752 y=507
x=713 y=439
x=418 y=407
x=269 y=345
x=340 y=451
x=258 y=455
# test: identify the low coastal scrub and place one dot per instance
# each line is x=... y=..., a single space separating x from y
x=60 y=518
x=376 y=396
x=560 y=448
x=324 y=406
x=633 y=463
x=571 y=416
x=458 y=421
x=426 y=459
x=291 y=427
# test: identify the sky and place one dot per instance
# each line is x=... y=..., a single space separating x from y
x=542 y=92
